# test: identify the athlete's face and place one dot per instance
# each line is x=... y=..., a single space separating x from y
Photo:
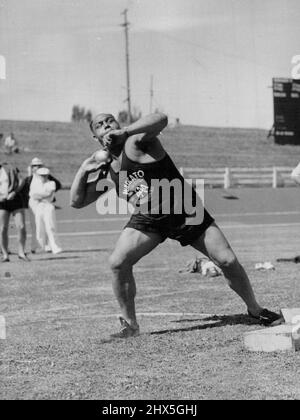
x=103 y=124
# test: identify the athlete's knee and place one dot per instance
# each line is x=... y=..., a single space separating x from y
x=226 y=259
x=119 y=263
x=22 y=231
x=4 y=229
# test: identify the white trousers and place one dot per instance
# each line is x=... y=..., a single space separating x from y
x=45 y=221
x=31 y=216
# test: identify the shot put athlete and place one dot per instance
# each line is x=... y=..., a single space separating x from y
x=137 y=151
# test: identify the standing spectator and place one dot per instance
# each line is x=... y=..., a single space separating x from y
x=11 y=203
x=24 y=190
x=1 y=139
x=41 y=195
x=11 y=144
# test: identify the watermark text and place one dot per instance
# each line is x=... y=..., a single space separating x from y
x=161 y=197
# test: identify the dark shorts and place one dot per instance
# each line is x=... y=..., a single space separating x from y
x=11 y=205
x=171 y=226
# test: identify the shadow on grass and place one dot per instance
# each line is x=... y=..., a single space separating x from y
x=230 y=197
x=215 y=321
x=211 y=322
x=69 y=251
x=76 y=257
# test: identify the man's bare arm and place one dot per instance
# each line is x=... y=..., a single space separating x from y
x=83 y=192
x=151 y=125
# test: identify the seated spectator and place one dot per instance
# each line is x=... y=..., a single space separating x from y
x=11 y=144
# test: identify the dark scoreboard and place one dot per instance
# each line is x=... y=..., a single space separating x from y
x=286 y=93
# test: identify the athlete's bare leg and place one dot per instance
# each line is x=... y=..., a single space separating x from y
x=34 y=243
x=214 y=245
x=4 y=222
x=132 y=245
x=19 y=216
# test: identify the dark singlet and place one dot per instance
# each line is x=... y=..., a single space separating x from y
x=137 y=183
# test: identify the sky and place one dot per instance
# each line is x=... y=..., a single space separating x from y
x=212 y=61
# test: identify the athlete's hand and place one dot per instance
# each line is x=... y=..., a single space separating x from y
x=91 y=164
x=114 y=137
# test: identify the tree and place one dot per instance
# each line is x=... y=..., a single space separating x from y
x=123 y=116
x=80 y=114
x=88 y=116
x=75 y=113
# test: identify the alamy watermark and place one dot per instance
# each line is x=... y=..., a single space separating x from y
x=2 y=68
x=161 y=197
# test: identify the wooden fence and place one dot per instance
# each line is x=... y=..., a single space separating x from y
x=275 y=177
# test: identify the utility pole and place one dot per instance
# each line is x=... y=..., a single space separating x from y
x=151 y=93
x=128 y=99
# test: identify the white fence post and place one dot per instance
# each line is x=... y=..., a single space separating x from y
x=278 y=180
x=275 y=177
x=227 y=178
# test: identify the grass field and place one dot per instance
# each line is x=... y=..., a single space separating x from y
x=64 y=145
x=60 y=311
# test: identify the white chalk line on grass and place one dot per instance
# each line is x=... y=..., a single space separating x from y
x=102 y=219
x=226 y=226
x=144 y=314
x=155 y=314
x=107 y=302
x=223 y=226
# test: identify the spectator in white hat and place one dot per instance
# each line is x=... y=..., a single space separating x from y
x=41 y=195
x=24 y=189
